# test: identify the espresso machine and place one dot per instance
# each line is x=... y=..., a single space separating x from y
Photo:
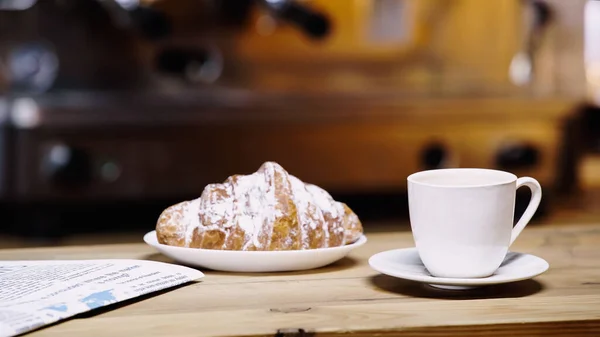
x=102 y=101
x=144 y=102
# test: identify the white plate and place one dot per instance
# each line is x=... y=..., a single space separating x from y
x=254 y=261
x=406 y=264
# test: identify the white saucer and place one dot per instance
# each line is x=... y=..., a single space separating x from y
x=406 y=264
x=254 y=261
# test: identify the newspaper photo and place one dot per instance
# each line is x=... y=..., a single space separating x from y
x=37 y=293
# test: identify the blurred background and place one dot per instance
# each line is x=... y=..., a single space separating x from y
x=112 y=110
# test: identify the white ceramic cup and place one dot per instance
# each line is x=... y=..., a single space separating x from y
x=462 y=219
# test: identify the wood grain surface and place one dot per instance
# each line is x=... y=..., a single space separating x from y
x=349 y=297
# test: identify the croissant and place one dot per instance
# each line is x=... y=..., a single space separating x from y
x=264 y=211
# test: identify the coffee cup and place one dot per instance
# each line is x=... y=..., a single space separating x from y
x=462 y=219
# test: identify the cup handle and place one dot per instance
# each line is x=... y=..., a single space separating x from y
x=534 y=203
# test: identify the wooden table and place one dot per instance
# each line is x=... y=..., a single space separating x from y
x=351 y=297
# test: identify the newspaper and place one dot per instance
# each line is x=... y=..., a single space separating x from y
x=37 y=293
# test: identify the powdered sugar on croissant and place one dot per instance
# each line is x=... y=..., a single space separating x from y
x=267 y=210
